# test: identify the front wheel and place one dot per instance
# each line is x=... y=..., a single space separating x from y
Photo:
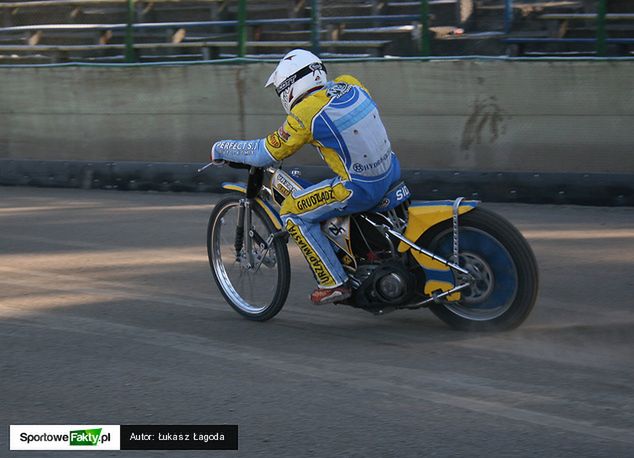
x=504 y=287
x=253 y=277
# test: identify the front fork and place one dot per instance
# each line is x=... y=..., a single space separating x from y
x=247 y=235
x=245 y=232
x=240 y=230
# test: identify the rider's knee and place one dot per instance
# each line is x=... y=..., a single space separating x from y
x=288 y=207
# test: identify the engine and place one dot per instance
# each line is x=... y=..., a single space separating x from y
x=388 y=284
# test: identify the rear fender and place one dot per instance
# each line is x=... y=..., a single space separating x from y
x=268 y=208
x=422 y=216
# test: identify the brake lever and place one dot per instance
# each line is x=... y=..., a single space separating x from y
x=203 y=168
x=220 y=163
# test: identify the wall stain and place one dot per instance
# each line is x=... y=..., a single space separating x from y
x=485 y=124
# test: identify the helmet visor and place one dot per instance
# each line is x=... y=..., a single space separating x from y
x=312 y=68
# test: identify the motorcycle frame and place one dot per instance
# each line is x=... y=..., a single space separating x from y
x=258 y=193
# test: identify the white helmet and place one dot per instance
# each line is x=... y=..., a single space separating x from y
x=298 y=72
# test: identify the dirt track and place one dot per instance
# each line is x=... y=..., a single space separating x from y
x=108 y=314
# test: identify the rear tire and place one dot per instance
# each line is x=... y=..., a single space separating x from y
x=503 y=260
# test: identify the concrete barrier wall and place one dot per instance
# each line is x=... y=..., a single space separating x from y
x=457 y=115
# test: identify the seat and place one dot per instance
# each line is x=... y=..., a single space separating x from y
x=394 y=197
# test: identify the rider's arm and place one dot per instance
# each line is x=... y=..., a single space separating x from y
x=251 y=152
x=265 y=151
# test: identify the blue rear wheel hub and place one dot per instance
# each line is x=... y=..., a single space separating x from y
x=494 y=283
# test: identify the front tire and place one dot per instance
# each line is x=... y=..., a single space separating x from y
x=257 y=292
x=504 y=267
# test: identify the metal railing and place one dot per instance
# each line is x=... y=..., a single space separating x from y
x=240 y=25
x=601 y=17
x=240 y=29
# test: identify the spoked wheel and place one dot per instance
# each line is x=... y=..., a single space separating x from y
x=504 y=283
x=253 y=277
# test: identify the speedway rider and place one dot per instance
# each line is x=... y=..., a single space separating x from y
x=341 y=120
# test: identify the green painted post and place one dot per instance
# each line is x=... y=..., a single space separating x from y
x=601 y=32
x=315 y=25
x=424 y=22
x=242 y=28
x=129 y=39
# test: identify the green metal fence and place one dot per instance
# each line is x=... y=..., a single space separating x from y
x=242 y=23
x=594 y=12
x=142 y=30
x=123 y=26
x=601 y=33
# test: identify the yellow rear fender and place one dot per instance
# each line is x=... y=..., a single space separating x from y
x=268 y=208
x=422 y=216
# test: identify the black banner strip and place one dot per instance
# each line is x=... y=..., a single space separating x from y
x=179 y=437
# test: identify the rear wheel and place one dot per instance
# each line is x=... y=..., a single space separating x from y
x=255 y=284
x=505 y=277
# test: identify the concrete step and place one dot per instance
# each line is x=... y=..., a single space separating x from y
x=170 y=57
x=467 y=44
x=282 y=35
x=402 y=39
x=13 y=59
x=69 y=39
x=12 y=40
x=158 y=36
x=193 y=37
x=380 y=33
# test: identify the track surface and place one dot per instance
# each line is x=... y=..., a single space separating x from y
x=108 y=314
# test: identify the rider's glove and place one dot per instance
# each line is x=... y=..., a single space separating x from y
x=215 y=156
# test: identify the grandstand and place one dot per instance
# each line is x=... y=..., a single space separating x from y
x=52 y=31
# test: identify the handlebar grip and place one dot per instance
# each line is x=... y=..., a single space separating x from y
x=238 y=165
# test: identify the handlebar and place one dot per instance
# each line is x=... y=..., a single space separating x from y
x=238 y=165
x=234 y=165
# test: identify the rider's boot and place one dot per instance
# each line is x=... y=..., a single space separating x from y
x=328 y=295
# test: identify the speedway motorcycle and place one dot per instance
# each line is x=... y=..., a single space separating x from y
x=471 y=267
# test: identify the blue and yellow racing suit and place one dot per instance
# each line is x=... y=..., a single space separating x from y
x=342 y=121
